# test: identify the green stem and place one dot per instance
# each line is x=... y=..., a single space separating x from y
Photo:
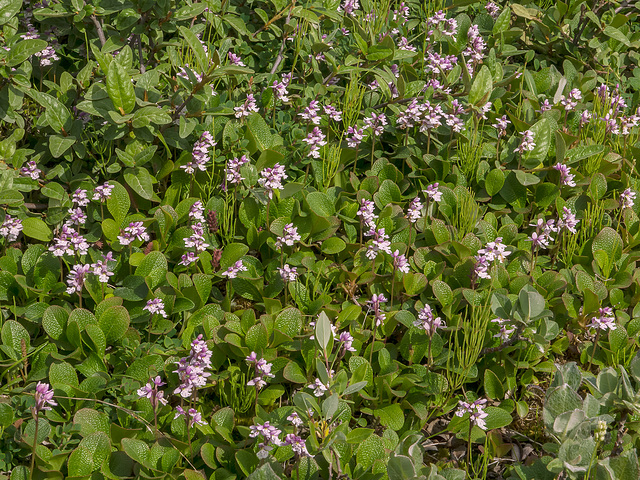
x=593 y=353
x=35 y=443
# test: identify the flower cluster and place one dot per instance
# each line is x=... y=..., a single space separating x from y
x=414 y=211
x=357 y=135
x=262 y=371
x=194 y=416
x=44 y=398
x=247 y=107
x=192 y=369
x=318 y=387
x=428 y=321
x=280 y=91
x=101 y=268
x=297 y=445
x=493 y=251
x=196 y=212
x=272 y=179
x=289 y=236
x=103 y=192
x=626 y=198
x=200 y=154
x=504 y=332
x=288 y=273
x=542 y=236
x=366 y=212
x=135 y=231
x=69 y=242
x=433 y=192
x=11 y=228
x=195 y=241
x=568 y=221
x=233 y=270
x=374 y=304
x=315 y=140
x=31 y=170
x=76 y=278
x=501 y=125
x=605 y=319
x=446 y=26
x=379 y=243
x=566 y=177
x=475 y=47
x=400 y=262
x=527 y=143
x=571 y=101
x=311 y=113
x=155 y=306
x=232 y=170
x=270 y=435
x=376 y=123
x=475 y=410
x=151 y=391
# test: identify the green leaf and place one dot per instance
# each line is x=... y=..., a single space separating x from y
x=196 y=47
x=8 y=9
x=140 y=181
x=55 y=113
x=414 y=283
x=189 y=11
x=502 y=22
x=598 y=186
x=293 y=372
x=531 y=302
x=13 y=334
x=258 y=133
x=493 y=386
x=231 y=254
x=155 y=266
x=21 y=51
x=391 y=416
x=289 y=322
x=54 y=321
x=542 y=136
x=80 y=463
x=58 y=144
x=610 y=241
x=257 y=338
x=114 y=322
x=359 y=435
x=369 y=451
x=559 y=400
x=494 y=180
x=120 y=88
x=497 y=418
x=146 y=115
x=443 y=292
x=321 y=204
x=388 y=193
x=62 y=374
x=323 y=332
x=11 y=197
x=91 y=421
x=118 y=204
x=6 y=415
x=354 y=387
x=136 y=449
x=34 y=227
x=481 y=87
x=613 y=32
x=333 y=245
x=400 y=468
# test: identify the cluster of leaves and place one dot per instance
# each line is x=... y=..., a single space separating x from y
x=323 y=226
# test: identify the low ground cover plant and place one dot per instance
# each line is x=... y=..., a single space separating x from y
x=319 y=239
